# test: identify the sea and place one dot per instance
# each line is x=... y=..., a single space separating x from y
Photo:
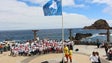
x=53 y=34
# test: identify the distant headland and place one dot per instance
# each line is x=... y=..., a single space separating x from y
x=99 y=24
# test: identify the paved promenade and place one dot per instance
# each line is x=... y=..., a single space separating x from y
x=82 y=56
x=88 y=49
x=56 y=58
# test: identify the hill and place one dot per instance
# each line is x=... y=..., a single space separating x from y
x=99 y=24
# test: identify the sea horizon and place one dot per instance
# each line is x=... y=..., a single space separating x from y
x=53 y=34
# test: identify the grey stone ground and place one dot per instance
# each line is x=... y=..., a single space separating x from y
x=55 y=60
x=84 y=50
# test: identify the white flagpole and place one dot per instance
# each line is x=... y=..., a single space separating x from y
x=63 y=37
x=62 y=34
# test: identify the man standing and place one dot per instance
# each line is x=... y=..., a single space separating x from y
x=98 y=43
x=106 y=47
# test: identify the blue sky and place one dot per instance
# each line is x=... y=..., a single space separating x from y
x=28 y=14
x=89 y=9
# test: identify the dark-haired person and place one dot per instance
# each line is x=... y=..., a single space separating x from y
x=97 y=55
x=1 y=48
x=109 y=54
x=106 y=47
x=94 y=58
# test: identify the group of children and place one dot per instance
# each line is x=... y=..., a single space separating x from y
x=33 y=48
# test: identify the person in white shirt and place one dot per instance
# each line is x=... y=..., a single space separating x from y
x=94 y=58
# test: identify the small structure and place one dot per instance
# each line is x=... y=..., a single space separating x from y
x=70 y=34
x=108 y=35
x=35 y=34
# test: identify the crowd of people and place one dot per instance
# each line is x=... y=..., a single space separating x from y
x=108 y=50
x=4 y=47
x=29 y=47
x=33 y=48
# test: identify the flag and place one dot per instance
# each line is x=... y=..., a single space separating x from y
x=53 y=7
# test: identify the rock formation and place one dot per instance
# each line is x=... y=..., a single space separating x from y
x=79 y=36
x=99 y=24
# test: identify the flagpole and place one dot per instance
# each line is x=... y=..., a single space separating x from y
x=63 y=37
x=62 y=34
x=46 y=13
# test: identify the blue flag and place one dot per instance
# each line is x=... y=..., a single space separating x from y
x=53 y=7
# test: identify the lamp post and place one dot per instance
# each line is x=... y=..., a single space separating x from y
x=108 y=35
x=35 y=34
x=70 y=34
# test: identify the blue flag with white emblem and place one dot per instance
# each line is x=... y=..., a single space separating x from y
x=52 y=8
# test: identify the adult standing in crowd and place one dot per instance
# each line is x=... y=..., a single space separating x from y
x=1 y=48
x=109 y=54
x=106 y=47
x=98 y=43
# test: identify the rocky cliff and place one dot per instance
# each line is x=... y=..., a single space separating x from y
x=99 y=24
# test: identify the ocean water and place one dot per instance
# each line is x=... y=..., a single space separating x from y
x=55 y=34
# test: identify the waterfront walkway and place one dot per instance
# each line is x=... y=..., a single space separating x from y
x=82 y=56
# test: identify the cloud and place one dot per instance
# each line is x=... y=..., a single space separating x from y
x=42 y=2
x=107 y=2
x=16 y=15
x=34 y=2
x=108 y=8
x=19 y=8
x=71 y=3
x=38 y=1
x=76 y=21
x=68 y=2
x=99 y=1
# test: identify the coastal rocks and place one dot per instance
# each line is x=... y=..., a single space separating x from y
x=79 y=36
x=99 y=24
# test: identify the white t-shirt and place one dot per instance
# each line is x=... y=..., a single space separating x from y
x=93 y=58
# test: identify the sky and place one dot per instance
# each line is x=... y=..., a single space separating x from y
x=28 y=14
